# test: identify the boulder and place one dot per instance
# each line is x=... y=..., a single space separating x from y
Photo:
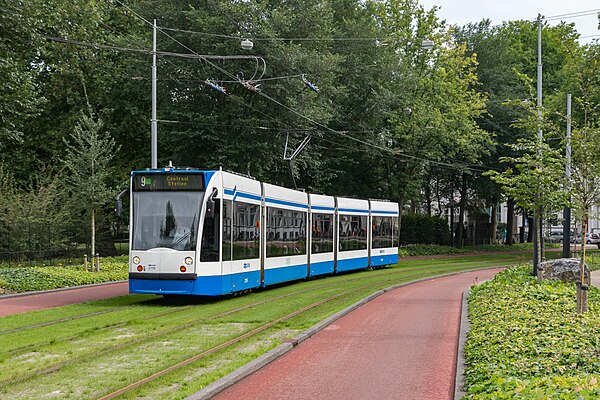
x=564 y=269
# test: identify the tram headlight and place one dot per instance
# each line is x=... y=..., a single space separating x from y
x=182 y=268
x=136 y=260
x=189 y=260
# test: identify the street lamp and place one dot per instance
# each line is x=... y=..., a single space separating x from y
x=427 y=44
x=247 y=44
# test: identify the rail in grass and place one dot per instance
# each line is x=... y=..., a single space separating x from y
x=196 y=232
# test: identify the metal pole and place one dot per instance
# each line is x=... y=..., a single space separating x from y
x=567 y=210
x=153 y=127
x=537 y=206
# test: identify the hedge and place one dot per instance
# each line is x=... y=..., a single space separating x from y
x=425 y=229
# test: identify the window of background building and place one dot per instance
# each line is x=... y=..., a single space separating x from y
x=382 y=232
x=322 y=233
x=245 y=231
x=286 y=232
x=353 y=232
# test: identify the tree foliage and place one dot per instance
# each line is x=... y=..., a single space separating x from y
x=390 y=117
x=87 y=158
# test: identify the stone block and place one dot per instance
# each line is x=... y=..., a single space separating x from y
x=564 y=269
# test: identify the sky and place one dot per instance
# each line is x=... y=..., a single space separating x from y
x=461 y=12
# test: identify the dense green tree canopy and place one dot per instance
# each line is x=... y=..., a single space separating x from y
x=390 y=119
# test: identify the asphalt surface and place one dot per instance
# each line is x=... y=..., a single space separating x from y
x=38 y=301
x=401 y=345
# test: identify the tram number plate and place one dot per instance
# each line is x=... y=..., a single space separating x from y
x=151 y=267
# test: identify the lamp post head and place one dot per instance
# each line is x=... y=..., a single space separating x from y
x=247 y=44
x=427 y=44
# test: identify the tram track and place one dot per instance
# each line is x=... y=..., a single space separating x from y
x=78 y=336
x=381 y=279
x=228 y=343
x=180 y=309
x=61 y=320
x=141 y=339
x=88 y=331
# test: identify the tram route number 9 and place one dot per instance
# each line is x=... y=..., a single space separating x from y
x=180 y=181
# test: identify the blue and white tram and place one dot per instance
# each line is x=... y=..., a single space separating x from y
x=195 y=232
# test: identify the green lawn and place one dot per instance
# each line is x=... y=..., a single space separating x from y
x=88 y=350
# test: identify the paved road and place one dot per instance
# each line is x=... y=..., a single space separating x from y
x=19 y=304
x=401 y=345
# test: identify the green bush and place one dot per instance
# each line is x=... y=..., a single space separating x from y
x=26 y=279
x=527 y=341
x=425 y=229
x=430 y=250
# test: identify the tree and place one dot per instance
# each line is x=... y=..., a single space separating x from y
x=87 y=159
x=514 y=43
x=435 y=104
x=582 y=78
x=19 y=96
x=535 y=178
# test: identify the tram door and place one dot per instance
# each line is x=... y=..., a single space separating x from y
x=227 y=245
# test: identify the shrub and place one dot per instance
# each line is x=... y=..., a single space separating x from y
x=26 y=279
x=429 y=250
x=425 y=229
x=526 y=341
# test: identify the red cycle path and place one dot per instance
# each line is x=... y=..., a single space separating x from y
x=401 y=345
x=39 y=301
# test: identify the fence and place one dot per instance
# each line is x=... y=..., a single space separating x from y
x=36 y=242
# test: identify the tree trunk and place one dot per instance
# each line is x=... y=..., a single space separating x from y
x=530 y=230
x=494 y=226
x=452 y=229
x=428 y=196
x=522 y=227
x=400 y=207
x=461 y=214
x=583 y=303
x=510 y=221
x=438 y=197
x=93 y=236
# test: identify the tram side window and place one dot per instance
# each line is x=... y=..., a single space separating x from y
x=353 y=232
x=246 y=231
x=395 y=232
x=211 y=236
x=382 y=232
x=227 y=230
x=322 y=233
x=286 y=232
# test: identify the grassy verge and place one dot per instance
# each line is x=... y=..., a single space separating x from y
x=434 y=249
x=136 y=336
x=526 y=340
x=18 y=278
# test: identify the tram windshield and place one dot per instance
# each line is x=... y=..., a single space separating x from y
x=166 y=219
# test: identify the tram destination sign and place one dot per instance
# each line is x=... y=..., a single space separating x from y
x=168 y=182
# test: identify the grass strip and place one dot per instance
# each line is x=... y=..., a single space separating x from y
x=106 y=370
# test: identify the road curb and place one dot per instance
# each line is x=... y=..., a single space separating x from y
x=12 y=295
x=240 y=373
x=465 y=326
x=235 y=376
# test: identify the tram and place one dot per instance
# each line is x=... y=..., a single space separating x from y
x=211 y=233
